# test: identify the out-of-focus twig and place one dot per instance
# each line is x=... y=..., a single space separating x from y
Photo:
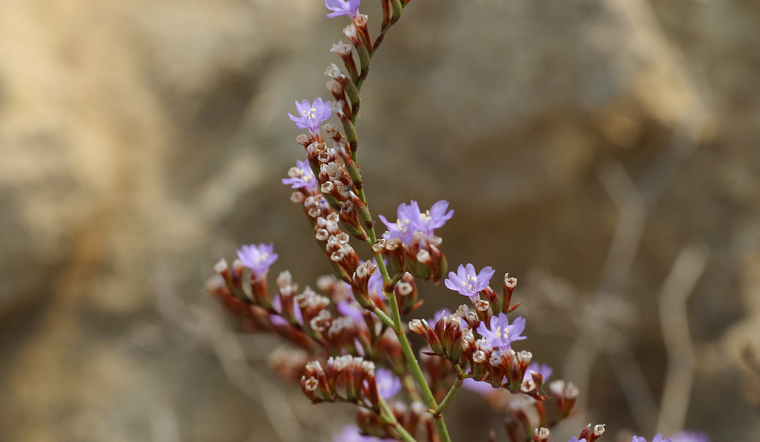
x=616 y=271
x=674 y=320
x=634 y=385
x=634 y=201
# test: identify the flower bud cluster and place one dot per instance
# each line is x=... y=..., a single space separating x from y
x=565 y=395
x=342 y=256
x=249 y=319
x=364 y=286
x=304 y=318
x=343 y=90
x=338 y=180
x=407 y=294
x=288 y=362
x=344 y=379
x=485 y=356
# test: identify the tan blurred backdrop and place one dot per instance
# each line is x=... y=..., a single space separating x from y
x=602 y=151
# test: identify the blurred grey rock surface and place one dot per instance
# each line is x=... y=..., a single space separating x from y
x=146 y=138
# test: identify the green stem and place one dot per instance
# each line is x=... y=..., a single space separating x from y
x=389 y=418
x=395 y=321
x=383 y=317
x=449 y=396
x=406 y=347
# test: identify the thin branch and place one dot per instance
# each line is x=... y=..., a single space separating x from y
x=634 y=385
x=635 y=202
x=688 y=268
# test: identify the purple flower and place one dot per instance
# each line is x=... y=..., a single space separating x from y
x=657 y=438
x=258 y=258
x=467 y=282
x=543 y=369
x=352 y=309
x=279 y=321
x=388 y=384
x=575 y=439
x=442 y=313
x=311 y=115
x=500 y=334
x=375 y=285
x=351 y=433
x=411 y=220
x=690 y=436
x=481 y=387
x=341 y=7
x=301 y=176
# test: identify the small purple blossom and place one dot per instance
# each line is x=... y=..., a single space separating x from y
x=481 y=387
x=442 y=313
x=690 y=436
x=411 y=220
x=258 y=258
x=351 y=433
x=575 y=439
x=467 y=282
x=311 y=115
x=301 y=176
x=543 y=369
x=501 y=334
x=388 y=384
x=352 y=309
x=375 y=286
x=657 y=438
x=341 y=7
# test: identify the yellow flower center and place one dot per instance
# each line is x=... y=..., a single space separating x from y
x=310 y=113
x=503 y=332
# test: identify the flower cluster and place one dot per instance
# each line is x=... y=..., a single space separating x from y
x=414 y=226
x=344 y=379
x=348 y=341
x=410 y=242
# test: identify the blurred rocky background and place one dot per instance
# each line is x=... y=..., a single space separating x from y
x=602 y=151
